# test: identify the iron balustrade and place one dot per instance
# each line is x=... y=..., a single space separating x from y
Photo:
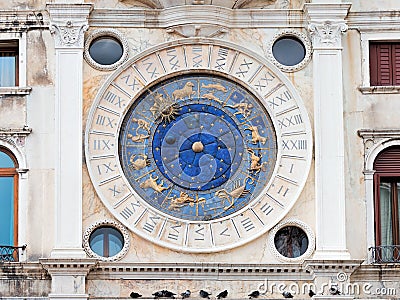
x=10 y=253
x=385 y=254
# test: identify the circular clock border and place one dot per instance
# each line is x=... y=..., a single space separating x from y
x=251 y=71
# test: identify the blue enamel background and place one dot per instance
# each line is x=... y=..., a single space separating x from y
x=201 y=185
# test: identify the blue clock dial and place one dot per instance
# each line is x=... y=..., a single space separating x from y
x=197 y=147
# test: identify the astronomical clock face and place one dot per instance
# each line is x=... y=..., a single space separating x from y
x=198 y=147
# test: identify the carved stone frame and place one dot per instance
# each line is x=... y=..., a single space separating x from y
x=120 y=227
x=106 y=32
x=299 y=224
x=298 y=35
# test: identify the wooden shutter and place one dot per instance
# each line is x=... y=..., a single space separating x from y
x=384 y=62
x=388 y=161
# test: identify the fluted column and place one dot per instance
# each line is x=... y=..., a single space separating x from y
x=68 y=23
x=326 y=26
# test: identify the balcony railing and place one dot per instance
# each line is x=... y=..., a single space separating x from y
x=10 y=253
x=385 y=254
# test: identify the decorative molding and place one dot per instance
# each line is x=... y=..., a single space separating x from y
x=297 y=223
x=327 y=34
x=22 y=20
x=22 y=91
x=198 y=15
x=68 y=23
x=367 y=21
x=379 y=89
x=190 y=30
x=299 y=35
x=121 y=228
x=375 y=140
x=15 y=136
x=106 y=32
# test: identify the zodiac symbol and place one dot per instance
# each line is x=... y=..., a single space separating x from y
x=163 y=107
x=139 y=161
x=186 y=91
x=214 y=86
x=237 y=192
x=210 y=96
x=142 y=124
x=255 y=136
x=255 y=165
x=137 y=138
x=243 y=108
x=152 y=183
x=182 y=200
x=140 y=137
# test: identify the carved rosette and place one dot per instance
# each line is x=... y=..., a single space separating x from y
x=327 y=34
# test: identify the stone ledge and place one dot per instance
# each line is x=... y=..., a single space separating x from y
x=11 y=91
x=379 y=89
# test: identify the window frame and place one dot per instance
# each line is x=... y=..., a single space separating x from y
x=20 y=83
x=366 y=38
x=12 y=172
x=395 y=209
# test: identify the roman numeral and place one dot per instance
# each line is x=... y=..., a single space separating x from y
x=246 y=67
x=266 y=209
x=151 y=224
x=279 y=100
x=128 y=212
x=174 y=233
x=105 y=121
x=247 y=224
x=263 y=82
x=102 y=145
x=150 y=69
x=197 y=56
x=294 y=145
x=104 y=168
x=199 y=233
x=290 y=121
x=221 y=60
x=114 y=99
x=173 y=59
x=131 y=83
x=225 y=232
x=283 y=191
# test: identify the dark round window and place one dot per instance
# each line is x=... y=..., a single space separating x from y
x=291 y=241
x=289 y=51
x=106 y=241
x=106 y=50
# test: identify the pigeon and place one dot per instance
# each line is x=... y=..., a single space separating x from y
x=223 y=294
x=135 y=295
x=204 y=294
x=163 y=294
x=254 y=294
x=185 y=294
x=334 y=290
x=287 y=295
x=311 y=293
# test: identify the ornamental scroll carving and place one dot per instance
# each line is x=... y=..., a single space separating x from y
x=69 y=34
x=327 y=34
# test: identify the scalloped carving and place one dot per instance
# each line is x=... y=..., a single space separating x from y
x=106 y=32
x=299 y=35
x=297 y=223
x=111 y=223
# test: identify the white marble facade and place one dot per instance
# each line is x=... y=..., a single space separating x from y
x=49 y=123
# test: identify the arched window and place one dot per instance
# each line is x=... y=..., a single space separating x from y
x=387 y=202
x=8 y=198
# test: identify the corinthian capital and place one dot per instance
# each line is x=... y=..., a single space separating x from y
x=68 y=23
x=327 y=34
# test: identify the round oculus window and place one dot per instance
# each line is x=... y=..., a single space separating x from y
x=106 y=241
x=106 y=50
x=291 y=241
x=289 y=50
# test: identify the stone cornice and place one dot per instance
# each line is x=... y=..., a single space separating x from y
x=209 y=271
x=318 y=12
x=69 y=22
x=22 y=20
x=197 y=14
x=374 y=20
